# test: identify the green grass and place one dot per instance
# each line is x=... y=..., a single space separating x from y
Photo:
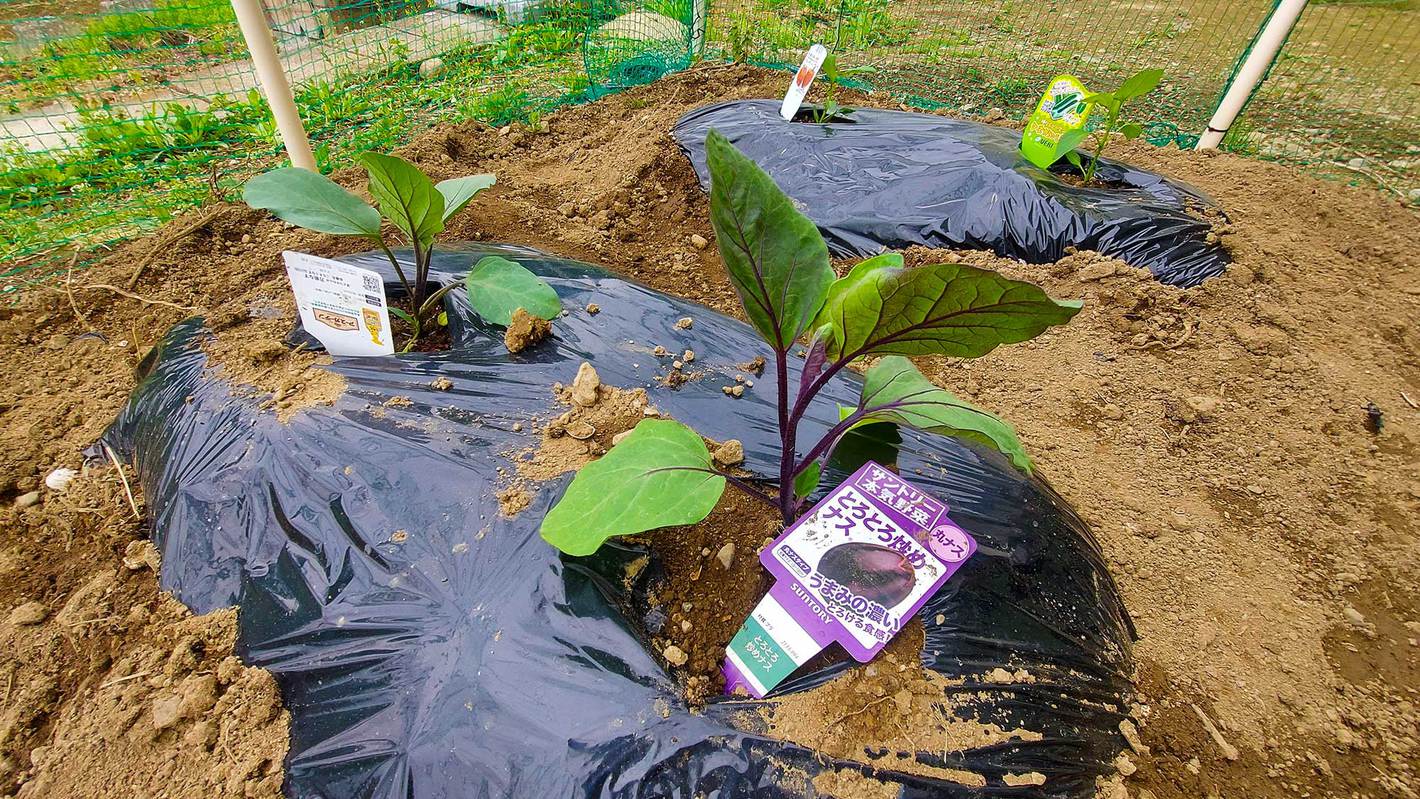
x=127 y=174
x=123 y=49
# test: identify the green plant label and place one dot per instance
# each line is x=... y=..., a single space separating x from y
x=342 y=305
x=1061 y=110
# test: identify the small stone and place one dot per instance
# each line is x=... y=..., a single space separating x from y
x=1131 y=737
x=730 y=453
x=568 y=210
x=995 y=115
x=167 y=711
x=28 y=614
x=726 y=555
x=698 y=241
x=1112 y=411
x=593 y=308
x=140 y=555
x=684 y=323
x=675 y=655
x=999 y=676
x=659 y=351
x=585 y=385
x=57 y=342
x=517 y=427
x=581 y=430
x=441 y=384
x=59 y=479
x=1353 y=616
x=1124 y=765
x=736 y=391
x=685 y=625
x=688 y=356
x=677 y=364
x=620 y=437
x=27 y=499
x=430 y=67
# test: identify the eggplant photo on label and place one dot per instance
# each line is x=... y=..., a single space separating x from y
x=870 y=571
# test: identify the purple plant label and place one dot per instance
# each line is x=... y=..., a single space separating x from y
x=854 y=569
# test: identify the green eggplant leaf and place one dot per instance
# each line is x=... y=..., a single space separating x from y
x=1140 y=83
x=894 y=391
x=312 y=201
x=806 y=481
x=775 y=256
x=406 y=196
x=659 y=476
x=960 y=311
x=1132 y=131
x=458 y=191
x=1074 y=158
x=497 y=287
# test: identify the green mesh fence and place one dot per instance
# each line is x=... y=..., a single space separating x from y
x=120 y=113
x=1343 y=97
x=117 y=114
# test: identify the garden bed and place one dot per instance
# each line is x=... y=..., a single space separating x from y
x=1214 y=438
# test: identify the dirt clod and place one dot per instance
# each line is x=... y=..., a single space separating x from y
x=729 y=453
x=525 y=330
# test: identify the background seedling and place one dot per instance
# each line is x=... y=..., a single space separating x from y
x=1138 y=85
x=831 y=74
x=418 y=209
x=662 y=475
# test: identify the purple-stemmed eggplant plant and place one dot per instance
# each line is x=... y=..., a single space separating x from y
x=662 y=474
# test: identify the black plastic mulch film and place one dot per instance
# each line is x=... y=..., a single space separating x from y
x=472 y=660
x=891 y=179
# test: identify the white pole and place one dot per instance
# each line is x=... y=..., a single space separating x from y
x=1269 y=42
x=272 y=76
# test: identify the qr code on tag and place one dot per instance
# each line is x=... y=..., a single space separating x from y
x=372 y=283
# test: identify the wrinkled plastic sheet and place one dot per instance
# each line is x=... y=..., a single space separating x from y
x=892 y=179
x=474 y=661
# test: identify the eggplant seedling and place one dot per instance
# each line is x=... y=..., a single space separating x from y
x=1138 y=85
x=831 y=75
x=662 y=474
x=418 y=208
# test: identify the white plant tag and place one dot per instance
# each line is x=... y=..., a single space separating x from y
x=794 y=98
x=342 y=305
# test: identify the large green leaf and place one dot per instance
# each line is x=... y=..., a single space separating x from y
x=894 y=391
x=497 y=287
x=1140 y=83
x=313 y=201
x=406 y=196
x=659 y=476
x=458 y=191
x=775 y=256
x=946 y=309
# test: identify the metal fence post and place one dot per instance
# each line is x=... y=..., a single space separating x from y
x=272 y=75
x=1254 y=68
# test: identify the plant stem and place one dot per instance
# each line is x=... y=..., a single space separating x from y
x=438 y=295
x=398 y=270
x=787 y=436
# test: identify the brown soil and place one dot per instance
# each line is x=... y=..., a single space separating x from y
x=1214 y=438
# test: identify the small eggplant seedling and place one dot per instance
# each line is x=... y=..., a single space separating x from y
x=831 y=75
x=418 y=209
x=662 y=475
x=1138 y=85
